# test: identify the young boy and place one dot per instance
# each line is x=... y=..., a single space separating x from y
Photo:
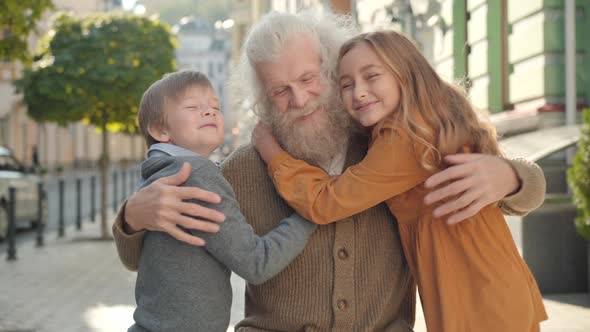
x=181 y=287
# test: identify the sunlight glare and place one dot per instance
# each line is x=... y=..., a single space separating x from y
x=103 y=318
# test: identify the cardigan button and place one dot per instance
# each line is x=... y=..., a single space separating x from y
x=342 y=253
x=342 y=304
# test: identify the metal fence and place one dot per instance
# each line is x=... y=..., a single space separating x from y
x=81 y=190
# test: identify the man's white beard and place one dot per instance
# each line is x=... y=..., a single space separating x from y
x=316 y=143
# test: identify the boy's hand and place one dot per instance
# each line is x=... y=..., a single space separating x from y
x=265 y=142
x=160 y=207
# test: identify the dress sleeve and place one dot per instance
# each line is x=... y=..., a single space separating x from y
x=390 y=168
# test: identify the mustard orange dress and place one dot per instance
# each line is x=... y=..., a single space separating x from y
x=470 y=275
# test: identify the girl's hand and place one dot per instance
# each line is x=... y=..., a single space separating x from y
x=265 y=142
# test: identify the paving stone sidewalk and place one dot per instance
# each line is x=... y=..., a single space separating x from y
x=76 y=283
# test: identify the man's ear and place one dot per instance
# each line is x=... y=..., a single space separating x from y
x=159 y=134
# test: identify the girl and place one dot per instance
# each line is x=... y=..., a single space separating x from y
x=470 y=276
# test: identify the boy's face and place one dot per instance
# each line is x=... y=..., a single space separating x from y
x=194 y=121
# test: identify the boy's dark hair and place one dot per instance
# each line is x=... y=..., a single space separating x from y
x=154 y=99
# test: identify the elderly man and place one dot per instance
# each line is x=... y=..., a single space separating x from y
x=352 y=276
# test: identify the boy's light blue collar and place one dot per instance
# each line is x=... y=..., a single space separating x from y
x=161 y=149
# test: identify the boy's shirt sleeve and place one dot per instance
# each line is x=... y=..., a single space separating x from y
x=255 y=258
x=390 y=168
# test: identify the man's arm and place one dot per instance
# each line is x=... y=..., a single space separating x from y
x=159 y=207
x=477 y=180
x=531 y=192
x=128 y=245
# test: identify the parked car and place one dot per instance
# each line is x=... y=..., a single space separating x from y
x=13 y=173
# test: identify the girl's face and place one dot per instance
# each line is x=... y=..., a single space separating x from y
x=369 y=90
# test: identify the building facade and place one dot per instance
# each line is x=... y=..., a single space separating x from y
x=512 y=54
x=509 y=54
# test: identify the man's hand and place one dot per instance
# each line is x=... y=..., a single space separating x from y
x=476 y=180
x=265 y=142
x=160 y=207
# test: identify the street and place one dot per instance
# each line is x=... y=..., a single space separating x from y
x=77 y=283
x=74 y=283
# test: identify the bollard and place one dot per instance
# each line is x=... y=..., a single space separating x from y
x=133 y=182
x=138 y=177
x=115 y=190
x=61 y=228
x=11 y=224
x=130 y=183
x=78 y=204
x=92 y=198
x=124 y=181
x=40 y=223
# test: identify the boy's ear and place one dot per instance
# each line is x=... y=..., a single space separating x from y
x=159 y=134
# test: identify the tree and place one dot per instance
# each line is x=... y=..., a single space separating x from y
x=95 y=69
x=579 y=178
x=18 y=19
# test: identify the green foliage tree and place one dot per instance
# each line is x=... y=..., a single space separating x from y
x=579 y=178
x=17 y=20
x=95 y=69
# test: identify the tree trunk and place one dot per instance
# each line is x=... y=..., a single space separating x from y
x=104 y=167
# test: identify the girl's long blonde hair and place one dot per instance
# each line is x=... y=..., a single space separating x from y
x=436 y=114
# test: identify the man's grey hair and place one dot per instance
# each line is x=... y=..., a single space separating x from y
x=268 y=38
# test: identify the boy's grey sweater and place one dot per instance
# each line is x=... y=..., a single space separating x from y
x=185 y=288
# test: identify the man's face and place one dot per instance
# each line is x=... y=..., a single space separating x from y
x=293 y=82
x=302 y=107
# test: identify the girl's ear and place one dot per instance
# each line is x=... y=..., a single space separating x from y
x=159 y=134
